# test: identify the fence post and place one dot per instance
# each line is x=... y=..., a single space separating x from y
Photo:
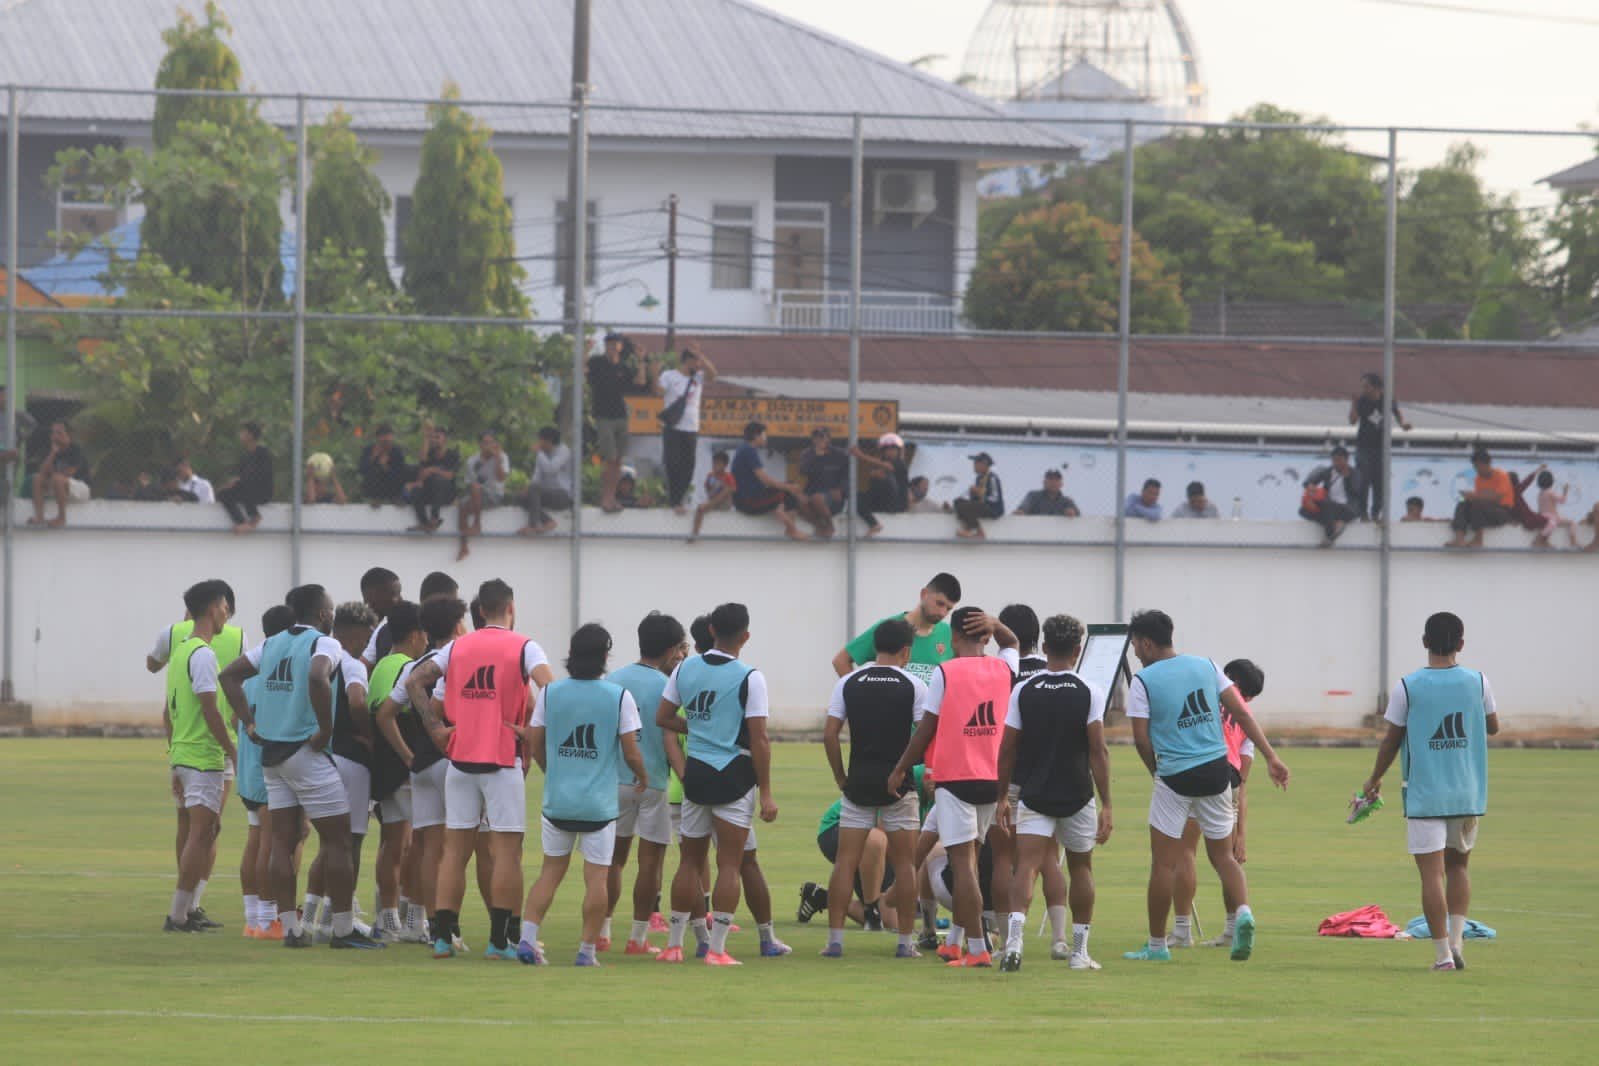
x=1389 y=301
x=577 y=179
x=13 y=146
x=1123 y=361
x=302 y=170
x=857 y=216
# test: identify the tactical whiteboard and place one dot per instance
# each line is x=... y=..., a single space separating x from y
x=1103 y=663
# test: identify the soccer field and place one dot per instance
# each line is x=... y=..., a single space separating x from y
x=86 y=975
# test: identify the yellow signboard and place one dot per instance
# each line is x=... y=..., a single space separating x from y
x=726 y=416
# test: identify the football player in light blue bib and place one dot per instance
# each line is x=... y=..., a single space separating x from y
x=1439 y=722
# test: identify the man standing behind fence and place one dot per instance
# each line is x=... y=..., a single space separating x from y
x=681 y=391
x=1366 y=414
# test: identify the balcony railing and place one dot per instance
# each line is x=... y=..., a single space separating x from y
x=881 y=312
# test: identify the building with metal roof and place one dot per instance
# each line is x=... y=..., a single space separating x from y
x=743 y=114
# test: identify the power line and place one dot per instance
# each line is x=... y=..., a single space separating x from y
x=1492 y=12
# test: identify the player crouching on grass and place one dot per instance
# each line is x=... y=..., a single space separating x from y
x=1439 y=720
x=594 y=719
x=1054 y=746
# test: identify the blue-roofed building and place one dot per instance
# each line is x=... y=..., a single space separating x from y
x=82 y=277
x=764 y=196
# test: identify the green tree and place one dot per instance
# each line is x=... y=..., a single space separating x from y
x=1059 y=268
x=1221 y=253
x=460 y=253
x=345 y=206
x=1572 y=271
x=197 y=57
x=211 y=190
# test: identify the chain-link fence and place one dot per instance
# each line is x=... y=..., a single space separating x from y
x=375 y=293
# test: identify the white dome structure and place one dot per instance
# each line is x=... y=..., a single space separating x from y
x=1046 y=51
x=1085 y=65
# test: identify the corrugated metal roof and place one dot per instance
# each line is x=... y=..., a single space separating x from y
x=1582 y=176
x=1434 y=374
x=710 y=55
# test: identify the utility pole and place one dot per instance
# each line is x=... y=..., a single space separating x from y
x=577 y=177
x=671 y=273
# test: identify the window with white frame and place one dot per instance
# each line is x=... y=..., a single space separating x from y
x=85 y=210
x=732 y=246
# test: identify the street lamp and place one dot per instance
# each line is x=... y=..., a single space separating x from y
x=648 y=303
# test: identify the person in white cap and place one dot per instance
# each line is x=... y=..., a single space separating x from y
x=888 y=481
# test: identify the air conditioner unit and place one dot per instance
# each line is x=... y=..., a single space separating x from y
x=904 y=192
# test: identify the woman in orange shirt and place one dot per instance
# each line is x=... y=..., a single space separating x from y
x=1486 y=506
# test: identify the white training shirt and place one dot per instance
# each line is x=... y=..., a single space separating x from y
x=1138 y=695
x=533 y=656
x=630 y=720
x=203 y=670
x=755 y=705
x=1096 y=706
x=399 y=694
x=370 y=653
x=326 y=648
x=354 y=671
x=835 y=702
x=935 y=688
x=673 y=384
x=1399 y=703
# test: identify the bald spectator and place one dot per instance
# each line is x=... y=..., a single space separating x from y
x=1049 y=500
x=1197 y=505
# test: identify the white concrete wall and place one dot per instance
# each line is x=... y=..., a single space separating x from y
x=90 y=598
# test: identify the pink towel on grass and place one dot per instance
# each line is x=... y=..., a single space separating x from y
x=1365 y=922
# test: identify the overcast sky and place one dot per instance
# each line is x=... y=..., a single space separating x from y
x=1360 y=62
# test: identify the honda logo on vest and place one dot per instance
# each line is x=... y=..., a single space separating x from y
x=982 y=723
x=1196 y=710
x=579 y=744
x=480 y=686
x=1451 y=733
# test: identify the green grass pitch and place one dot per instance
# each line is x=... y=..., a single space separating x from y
x=87 y=976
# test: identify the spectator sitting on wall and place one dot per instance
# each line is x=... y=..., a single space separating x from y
x=1591 y=519
x=825 y=470
x=717 y=489
x=1197 y=505
x=755 y=491
x=887 y=489
x=322 y=480
x=550 y=487
x=1332 y=494
x=1414 y=507
x=433 y=485
x=630 y=495
x=1049 y=500
x=63 y=474
x=383 y=469
x=192 y=486
x=1145 y=503
x=246 y=491
x=486 y=472
x=920 y=502
x=1486 y=505
x=985 y=499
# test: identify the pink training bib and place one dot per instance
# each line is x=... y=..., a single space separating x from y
x=971 y=719
x=484 y=688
